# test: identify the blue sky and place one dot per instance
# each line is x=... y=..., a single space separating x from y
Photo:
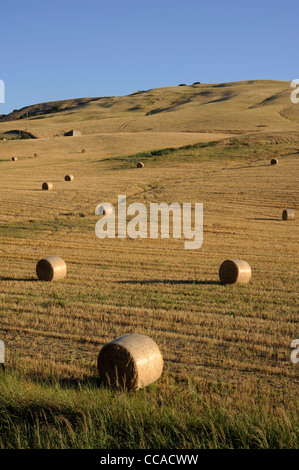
x=55 y=50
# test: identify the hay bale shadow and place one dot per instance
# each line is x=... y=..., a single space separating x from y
x=21 y=279
x=263 y=218
x=169 y=281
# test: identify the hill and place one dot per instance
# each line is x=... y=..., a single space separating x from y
x=42 y=109
x=235 y=107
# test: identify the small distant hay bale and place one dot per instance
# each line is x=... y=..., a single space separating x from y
x=140 y=165
x=234 y=271
x=288 y=214
x=36 y=155
x=69 y=177
x=51 y=268
x=14 y=159
x=84 y=151
x=46 y=186
x=104 y=208
x=274 y=161
x=130 y=362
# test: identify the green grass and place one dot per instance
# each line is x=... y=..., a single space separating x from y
x=33 y=229
x=16 y=136
x=232 y=149
x=39 y=414
x=155 y=156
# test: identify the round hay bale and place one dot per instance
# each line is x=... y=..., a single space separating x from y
x=274 y=161
x=288 y=214
x=69 y=177
x=36 y=155
x=131 y=362
x=234 y=271
x=140 y=165
x=83 y=151
x=51 y=268
x=14 y=159
x=104 y=209
x=47 y=186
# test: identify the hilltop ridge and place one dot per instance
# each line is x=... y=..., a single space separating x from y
x=41 y=109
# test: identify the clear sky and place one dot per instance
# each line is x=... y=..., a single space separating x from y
x=60 y=49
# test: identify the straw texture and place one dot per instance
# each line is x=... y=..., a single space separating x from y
x=234 y=271
x=140 y=165
x=288 y=214
x=131 y=362
x=69 y=177
x=51 y=268
x=47 y=186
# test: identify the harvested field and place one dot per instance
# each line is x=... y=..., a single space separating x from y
x=149 y=286
x=232 y=343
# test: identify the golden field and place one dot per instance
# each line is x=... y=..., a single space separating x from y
x=207 y=332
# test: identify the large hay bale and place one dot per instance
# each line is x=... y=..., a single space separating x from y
x=36 y=155
x=47 y=186
x=234 y=271
x=104 y=209
x=51 y=268
x=131 y=362
x=274 y=161
x=288 y=214
x=140 y=165
x=83 y=151
x=14 y=159
x=69 y=177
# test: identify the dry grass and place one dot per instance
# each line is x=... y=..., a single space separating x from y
x=207 y=332
x=249 y=106
x=154 y=286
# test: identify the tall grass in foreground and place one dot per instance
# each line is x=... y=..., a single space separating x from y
x=48 y=415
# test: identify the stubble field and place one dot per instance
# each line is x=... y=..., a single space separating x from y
x=226 y=349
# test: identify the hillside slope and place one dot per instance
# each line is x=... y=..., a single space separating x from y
x=42 y=109
x=235 y=107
